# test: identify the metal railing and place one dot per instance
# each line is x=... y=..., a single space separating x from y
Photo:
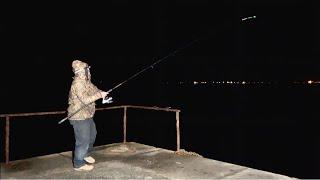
x=125 y=107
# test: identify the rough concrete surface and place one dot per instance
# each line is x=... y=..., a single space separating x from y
x=131 y=161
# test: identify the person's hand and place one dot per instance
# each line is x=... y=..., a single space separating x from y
x=103 y=94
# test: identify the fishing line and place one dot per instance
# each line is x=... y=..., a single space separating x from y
x=109 y=99
x=170 y=54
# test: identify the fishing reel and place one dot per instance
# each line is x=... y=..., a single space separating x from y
x=107 y=100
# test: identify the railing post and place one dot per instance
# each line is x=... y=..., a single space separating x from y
x=7 y=153
x=125 y=124
x=178 y=129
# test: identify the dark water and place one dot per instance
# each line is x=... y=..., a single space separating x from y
x=269 y=127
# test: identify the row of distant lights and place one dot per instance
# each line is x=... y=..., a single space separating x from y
x=230 y=82
x=248 y=82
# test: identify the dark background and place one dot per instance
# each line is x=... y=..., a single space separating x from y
x=269 y=127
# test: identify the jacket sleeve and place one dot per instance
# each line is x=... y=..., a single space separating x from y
x=81 y=90
x=94 y=88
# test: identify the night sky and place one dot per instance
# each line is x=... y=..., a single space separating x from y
x=120 y=37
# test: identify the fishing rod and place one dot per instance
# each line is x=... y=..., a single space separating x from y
x=109 y=99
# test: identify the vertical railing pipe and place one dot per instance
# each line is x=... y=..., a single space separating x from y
x=7 y=141
x=125 y=124
x=178 y=129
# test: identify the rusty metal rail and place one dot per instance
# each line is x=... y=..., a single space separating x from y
x=125 y=108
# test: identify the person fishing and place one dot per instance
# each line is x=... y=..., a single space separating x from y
x=83 y=94
x=81 y=108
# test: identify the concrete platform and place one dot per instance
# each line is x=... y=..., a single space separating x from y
x=131 y=161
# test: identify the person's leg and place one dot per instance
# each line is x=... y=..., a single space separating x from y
x=82 y=137
x=93 y=134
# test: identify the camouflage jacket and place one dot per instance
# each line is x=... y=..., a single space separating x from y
x=82 y=92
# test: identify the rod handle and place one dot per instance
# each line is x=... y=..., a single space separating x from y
x=62 y=120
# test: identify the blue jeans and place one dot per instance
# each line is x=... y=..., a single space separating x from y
x=85 y=135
